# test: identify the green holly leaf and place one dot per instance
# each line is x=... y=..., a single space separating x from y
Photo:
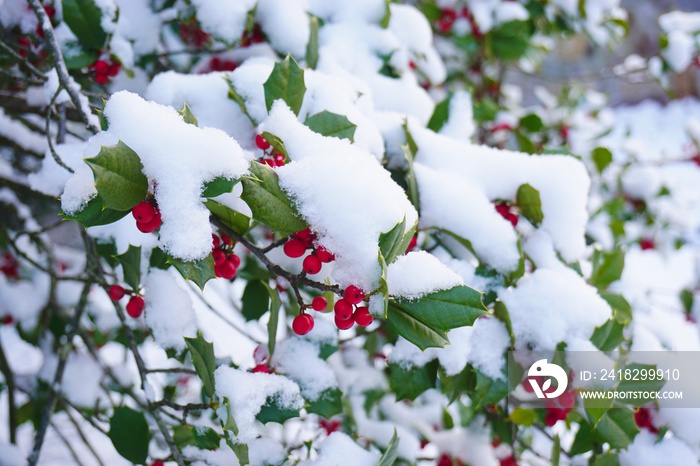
x=602 y=157
x=488 y=390
x=187 y=114
x=617 y=427
x=459 y=306
x=607 y=267
x=440 y=115
x=392 y=452
x=508 y=41
x=84 y=18
x=95 y=213
x=531 y=122
x=332 y=125
x=204 y=361
x=328 y=404
x=269 y=204
x=271 y=411
x=409 y=383
x=218 y=186
x=608 y=336
x=129 y=433
x=523 y=416
x=199 y=271
x=640 y=386
x=236 y=221
x=255 y=300
x=206 y=438
x=131 y=265
x=273 y=322
x=119 y=179
x=528 y=200
x=394 y=242
x=286 y=82
x=312 y=45
x=422 y=335
x=183 y=436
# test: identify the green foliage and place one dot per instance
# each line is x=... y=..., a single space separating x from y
x=530 y=204
x=410 y=382
x=95 y=213
x=440 y=115
x=118 y=177
x=607 y=267
x=218 y=186
x=199 y=271
x=131 y=265
x=329 y=403
x=255 y=301
x=312 y=45
x=602 y=157
x=236 y=221
x=391 y=453
x=286 y=82
x=84 y=17
x=129 y=433
x=187 y=115
x=332 y=125
x=206 y=438
x=204 y=361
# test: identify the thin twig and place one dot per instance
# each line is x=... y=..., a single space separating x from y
x=54 y=154
x=83 y=437
x=10 y=382
x=174 y=370
x=67 y=444
x=59 y=63
x=22 y=61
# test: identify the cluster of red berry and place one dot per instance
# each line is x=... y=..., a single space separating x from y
x=299 y=243
x=147 y=216
x=135 y=305
x=191 y=33
x=447 y=460
x=255 y=36
x=504 y=209
x=347 y=313
x=449 y=16
x=217 y=64
x=9 y=266
x=643 y=419
x=225 y=261
x=105 y=69
x=276 y=160
x=555 y=409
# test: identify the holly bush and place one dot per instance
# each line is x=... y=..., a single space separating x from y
x=292 y=232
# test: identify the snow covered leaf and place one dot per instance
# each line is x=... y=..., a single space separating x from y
x=440 y=115
x=239 y=449
x=328 y=404
x=95 y=213
x=332 y=125
x=394 y=242
x=255 y=300
x=608 y=336
x=236 y=221
x=187 y=115
x=639 y=386
x=500 y=311
x=218 y=186
x=84 y=19
x=392 y=451
x=204 y=362
x=206 y=438
x=415 y=331
x=286 y=82
x=530 y=204
x=275 y=142
x=269 y=204
x=118 y=177
x=200 y=271
x=272 y=412
x=602 y=157
x=131 y=266
x=617 y=427
x=129 y=433
x=76 y=56
x=409 y=383
x=447 y=309
x=607 y=267
x=312 y=45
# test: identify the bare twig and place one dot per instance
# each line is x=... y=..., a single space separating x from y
x=83 y=437
x=59 y=63
x=67 y=444
x=10 y=382
x=22 y=61
x=173 y=370
x=54 y=154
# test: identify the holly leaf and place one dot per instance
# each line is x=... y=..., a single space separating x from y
x=332 y=125
x=409 y=383
x=218 y=186
x=269 y=204
x=131 y=265
x=255 y=300
x=204 y=361
x=119 y=179
x=199 y=271
x=531 y=122
x=206 y=438
x=522 y=416
x=608 y=336
x=286 y=82
x=639 y=386
x=273 y=322
x=602 y=157
x=95 y=213
x=459 y=306
x=236 y=221
x=607 y=267
x=312 y=45
x=329 y=403
x=84 y=18
x=271 y=411
x=530 y=204
x=617 y=427
x=187 y=114
x=392 y=451
x=422 y=335
x=440 y=115
x=129 y=433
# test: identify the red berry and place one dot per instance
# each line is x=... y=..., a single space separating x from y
x=304 y=235
x=262 y=368
x=148 y=227
x=261 y=142
x=412 y=243
x=116 y=292
x=101 y=67
x=509 y=461
x=329 y=426
x=143 y=212
x=279 y=159
x=8 y=320
x=219 y=256
x=343 y=309
x=647 y=244
x=642 y=417
x=226 y=270
x=269 y=162
x=354 y=295
x=294 y=248
x=50 y=11
x=225 y=239
x=311 y=264
x=135 y=306
x=235 y=260
x=215 y=241
x=302 y=324
x=343 y=324
x=504 y=209
x=101 y=78
x=261 y=354
x=362 y=317
x=323 y=255
x=114 y=69
x=567 y=400
x=157 y=463
x=319 y=303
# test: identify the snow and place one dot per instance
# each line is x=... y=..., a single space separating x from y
x=646 y=451
x=286 y=24
x=298 y=359
x=338 y=448
x=548 y=307
x=21 y=135
x=680 y=50
x=180 y=158
x=416 y=274
x=460 y=125
x=169 y=310
x=248 y=392
x=51 y=177
x=335 y=186
x=225 y=20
